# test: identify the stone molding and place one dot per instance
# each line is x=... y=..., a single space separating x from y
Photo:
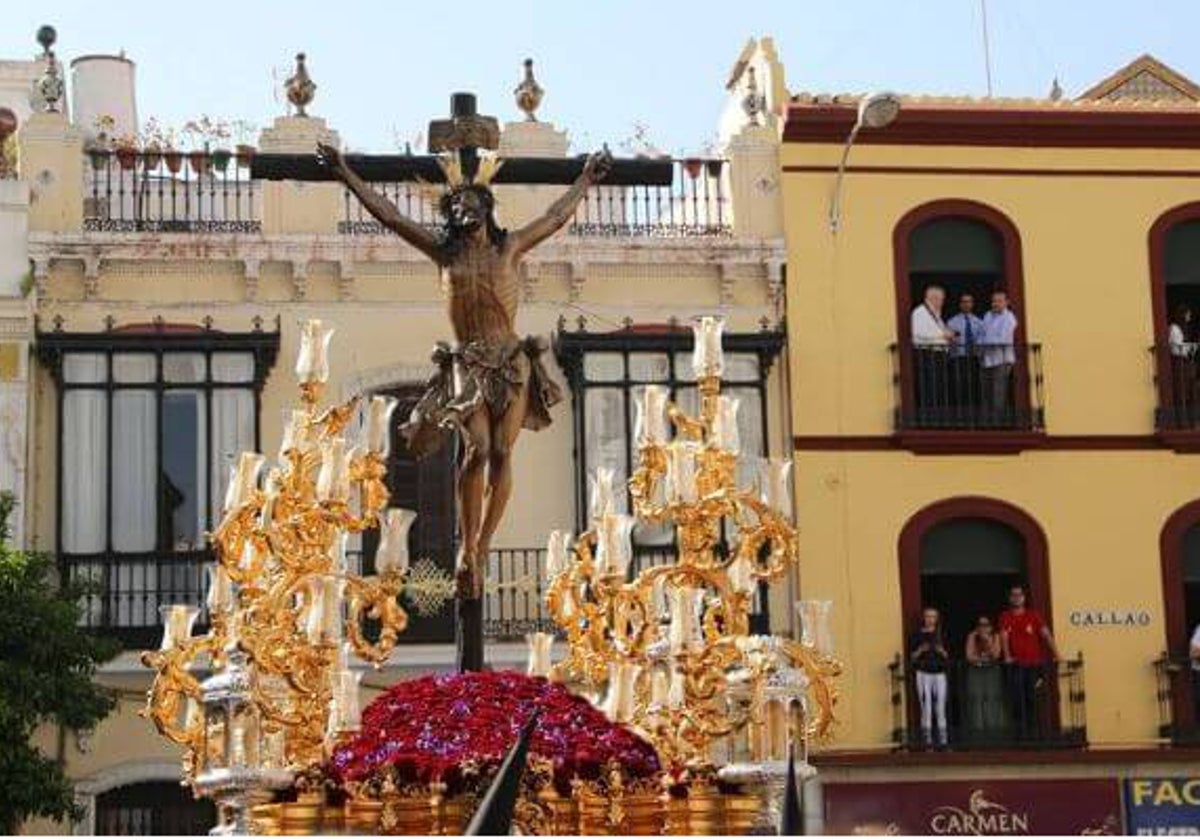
x=727 y=259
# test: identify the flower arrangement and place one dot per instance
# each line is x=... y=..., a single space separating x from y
x=454 y=730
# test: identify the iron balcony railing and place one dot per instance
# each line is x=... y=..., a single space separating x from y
x=694 y=205
x=1178 y=696
x=985 y=387
x=126 y=591
x=1178 y=381
x=212 y=191
x=979 y=713
x=170 y=192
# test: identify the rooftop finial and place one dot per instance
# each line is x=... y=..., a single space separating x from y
x=1056 y=91
x=46 y=36
x=49 y=86
x=300 y=87
x=529 y=93
x=753 y=103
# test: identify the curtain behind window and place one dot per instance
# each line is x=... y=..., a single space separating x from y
x=84 y=455
x=135 y=470
x=233 y=420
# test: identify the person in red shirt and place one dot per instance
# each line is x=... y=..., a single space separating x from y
x=1025 y=641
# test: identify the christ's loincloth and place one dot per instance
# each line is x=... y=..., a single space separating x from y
x=477 y=375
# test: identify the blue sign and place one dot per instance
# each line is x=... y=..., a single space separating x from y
x=1163 y=807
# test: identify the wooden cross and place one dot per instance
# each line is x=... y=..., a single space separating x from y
x=466 y=132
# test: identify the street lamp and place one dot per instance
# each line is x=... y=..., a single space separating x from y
x=874 y=111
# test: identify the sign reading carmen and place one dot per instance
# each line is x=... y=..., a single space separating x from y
x=1084 y=806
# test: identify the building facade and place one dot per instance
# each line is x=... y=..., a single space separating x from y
x=168 y=290
x=921 y=485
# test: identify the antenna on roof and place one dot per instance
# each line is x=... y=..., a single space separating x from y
x=987 y=52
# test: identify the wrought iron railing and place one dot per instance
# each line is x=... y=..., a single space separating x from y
x=1178 y=695
x=125 y=591
x=416 y=201
x=986 y=387
x=695 y=204
x=1178 y=380
x=170 y=192
x=211 y=191
x=979 y=710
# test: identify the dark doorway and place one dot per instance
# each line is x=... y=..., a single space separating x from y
x=153 y=808
x=426 y=486
x=1181 y=259
x=967 y=568
x=966 y=248
x=963 y=256
x=1176 y=264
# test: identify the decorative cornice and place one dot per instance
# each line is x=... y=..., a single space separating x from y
x=981 y=124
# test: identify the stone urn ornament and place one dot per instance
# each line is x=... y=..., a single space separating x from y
x=529 y=93
x=300 y=87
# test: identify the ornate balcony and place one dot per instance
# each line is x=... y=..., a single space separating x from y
x=986 y=724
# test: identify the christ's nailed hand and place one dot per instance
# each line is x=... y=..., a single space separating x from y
x=597 y=166
x=328 y=156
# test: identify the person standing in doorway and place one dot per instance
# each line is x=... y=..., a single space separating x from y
x=964 y=360
x=931 y=342
x=986 y=717
x=999 y=357
x=1026 y=641
x=930 y=661
x=1182 y=345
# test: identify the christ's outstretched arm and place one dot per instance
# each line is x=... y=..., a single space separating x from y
x=560 y=212
x=378 y=206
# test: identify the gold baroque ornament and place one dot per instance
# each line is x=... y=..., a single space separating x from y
x=671 y=647
x=285 y=613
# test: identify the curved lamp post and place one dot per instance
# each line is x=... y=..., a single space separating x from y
x=874 y=111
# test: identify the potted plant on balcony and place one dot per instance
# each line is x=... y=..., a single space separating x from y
x=127 y=151
x=217 y=133
x=152 y=142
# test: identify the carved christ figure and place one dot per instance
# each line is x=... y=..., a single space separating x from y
x=491 y=384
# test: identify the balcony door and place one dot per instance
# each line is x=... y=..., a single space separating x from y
x=1180 y=547
x=426 y=486
x=1175 y=289
x=970 y=251
x=962 y=556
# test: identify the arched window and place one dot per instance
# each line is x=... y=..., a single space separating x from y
x=153 y=808
x=962 y=556
x=968 y=565
x=963 y=255
x=1175 y=290
x=1180 y=549
x=970 y=251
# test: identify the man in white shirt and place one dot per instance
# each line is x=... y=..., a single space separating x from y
x=964 y=357
x=999 y=357
x=931 y=342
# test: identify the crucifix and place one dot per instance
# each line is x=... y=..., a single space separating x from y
x=491 y=383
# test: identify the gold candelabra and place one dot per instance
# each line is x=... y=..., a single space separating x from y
x=673 y=645
x=285 y=613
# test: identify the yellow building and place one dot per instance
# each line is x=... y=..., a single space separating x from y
x=168 y=290
x=940 y=471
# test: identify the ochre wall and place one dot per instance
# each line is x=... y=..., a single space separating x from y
x=1087 y=300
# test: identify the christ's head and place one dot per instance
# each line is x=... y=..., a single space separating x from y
x=467 y=210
